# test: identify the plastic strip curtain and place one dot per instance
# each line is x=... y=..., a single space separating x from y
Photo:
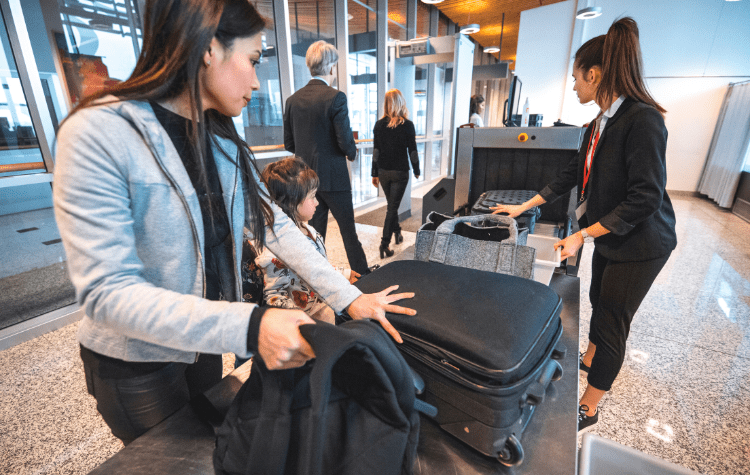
x=729 y=147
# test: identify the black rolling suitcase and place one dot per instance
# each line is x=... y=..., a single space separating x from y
x=485 y=345
x=527 y=219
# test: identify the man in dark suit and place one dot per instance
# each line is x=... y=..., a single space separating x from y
x=316 y=129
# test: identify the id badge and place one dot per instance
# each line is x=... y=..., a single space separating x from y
x=581 y=210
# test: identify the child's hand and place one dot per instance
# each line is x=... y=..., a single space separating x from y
x=353 y=277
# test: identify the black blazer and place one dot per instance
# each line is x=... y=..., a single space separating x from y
x=316 y=129
x=626 y=192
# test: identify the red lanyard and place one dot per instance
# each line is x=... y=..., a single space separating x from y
x=587 y=169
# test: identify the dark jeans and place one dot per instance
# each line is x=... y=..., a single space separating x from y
x=394 y=185
x=132 y=405
x=340 y=204
x=617 y=290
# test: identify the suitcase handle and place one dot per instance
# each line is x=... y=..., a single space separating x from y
x=535 y=392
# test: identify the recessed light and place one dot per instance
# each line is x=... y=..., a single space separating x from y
x=492 y=49
x=588 y=13
x=432 y=1
x=470 y=29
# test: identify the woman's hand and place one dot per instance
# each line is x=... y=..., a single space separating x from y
x=280 y=343
x=375 y=181
x=569 y=245
x=512 y=210
x=354 y=276
x=416 y=176
x=376 y=305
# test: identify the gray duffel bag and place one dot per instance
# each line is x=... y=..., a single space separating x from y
x=439 y=243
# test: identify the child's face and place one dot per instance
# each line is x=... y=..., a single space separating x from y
x=306 y=209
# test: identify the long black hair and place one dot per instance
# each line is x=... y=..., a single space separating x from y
x=618 y=54
x=176 y=35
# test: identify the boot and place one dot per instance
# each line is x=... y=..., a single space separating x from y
x=385 y=251
x=399 y=237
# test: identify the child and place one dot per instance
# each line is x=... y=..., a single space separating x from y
x=292 y=185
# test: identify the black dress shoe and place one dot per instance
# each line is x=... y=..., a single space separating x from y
x=399 y=237
x=385 y=252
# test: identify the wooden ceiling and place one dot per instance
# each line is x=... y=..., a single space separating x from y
x=489 y=15
x=315 y=18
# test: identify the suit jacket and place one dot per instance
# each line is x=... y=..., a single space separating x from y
x=626 y=192
x=316 y=129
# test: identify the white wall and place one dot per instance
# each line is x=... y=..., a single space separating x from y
x=691 y=52
x=544 y=39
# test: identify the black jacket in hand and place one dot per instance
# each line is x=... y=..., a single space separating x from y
x=626 y=192
x=316 y=129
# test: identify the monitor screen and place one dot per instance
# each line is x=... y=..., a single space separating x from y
x=516 y=91
x=513 y=102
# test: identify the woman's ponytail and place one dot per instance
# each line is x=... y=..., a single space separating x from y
x=622 y=65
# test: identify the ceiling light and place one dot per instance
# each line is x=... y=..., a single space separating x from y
x=470 y=29
x=588 y=13
x=432 y=1
x=492 y=49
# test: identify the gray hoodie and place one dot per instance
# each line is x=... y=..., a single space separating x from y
x=131 y=225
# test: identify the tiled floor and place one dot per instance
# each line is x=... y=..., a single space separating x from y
x=26 y=250
x=682 y=395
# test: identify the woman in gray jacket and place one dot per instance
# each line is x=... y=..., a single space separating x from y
x=153 y=187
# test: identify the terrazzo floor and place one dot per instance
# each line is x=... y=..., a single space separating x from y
x=683 y=394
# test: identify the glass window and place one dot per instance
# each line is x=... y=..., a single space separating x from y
x=436 y=158
x=423 y=20
x=420 y=100
x=362 y=189
x=420 y=150
x=397 y=19
x=442 y=25
x=439 y=105
x=99 y=46
x=363 y=91
x=262 y=121
x=19 y=147
x=309 y=21
x=33 y=273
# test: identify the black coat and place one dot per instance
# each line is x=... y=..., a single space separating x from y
x=626 y=192
x=316 y=129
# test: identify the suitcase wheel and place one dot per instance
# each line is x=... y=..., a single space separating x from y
x=512 y=453
x=558 y=373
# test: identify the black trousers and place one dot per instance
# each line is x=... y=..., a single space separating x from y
x=617 y=290
x=394 y=185
x=131 y=403
x=340 y=205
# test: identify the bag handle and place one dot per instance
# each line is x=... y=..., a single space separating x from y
x=274 y=422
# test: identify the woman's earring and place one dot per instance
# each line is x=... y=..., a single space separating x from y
x=208 y=63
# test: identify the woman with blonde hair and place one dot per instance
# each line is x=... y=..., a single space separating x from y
x=394 y=145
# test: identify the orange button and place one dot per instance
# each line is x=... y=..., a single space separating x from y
x=523 y=137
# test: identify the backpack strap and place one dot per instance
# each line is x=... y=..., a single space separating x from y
x=267 y=456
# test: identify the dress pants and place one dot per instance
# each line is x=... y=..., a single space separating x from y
x=617 y=290
x=132 y=405
x=394 y=184
x=340 y=205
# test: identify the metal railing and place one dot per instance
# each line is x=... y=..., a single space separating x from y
x=21 y=167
